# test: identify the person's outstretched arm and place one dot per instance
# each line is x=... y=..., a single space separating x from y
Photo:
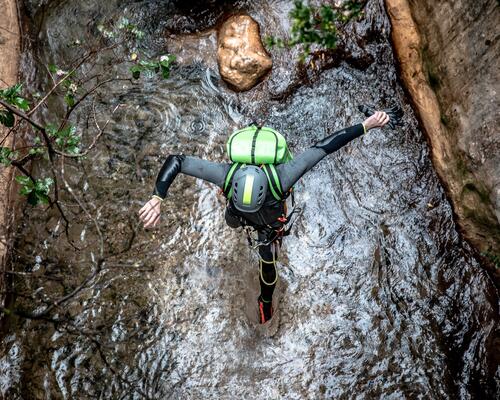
x=293 y=170
x=173 y=165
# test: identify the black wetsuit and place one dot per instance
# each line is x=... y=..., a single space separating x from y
x=289 y=173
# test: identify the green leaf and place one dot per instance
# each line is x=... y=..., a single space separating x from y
x=11 y=92
x=43 y=185
x=37 y=150
x=165 y=72
x=139 y=34
x=23 y=180
x=16 y=89
x=169 y=58
x=51 y=130
x=37 y=192
x=148 y=64
x=21 y=103
x=69 y=99
x=7 y=118
x=136 y=71
x=42 y=198
x=148 y=67
x=66 y=139
x=73 y=150
x=53 y=68
x=270 y=41
x=12 y=96
x=123 y=23
x=7 y=155
x=32 y=198
x=26 y=190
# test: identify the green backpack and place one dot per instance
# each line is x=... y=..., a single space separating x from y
x=262 y=146
x=258 y=145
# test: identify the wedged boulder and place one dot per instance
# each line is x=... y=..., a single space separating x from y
x=243 y=60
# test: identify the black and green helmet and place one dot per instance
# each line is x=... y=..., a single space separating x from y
x=249 y=188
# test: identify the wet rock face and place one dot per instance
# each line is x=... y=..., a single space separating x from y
x=242 y=59
x=180 y=16
x=9 y=63
x=171 y=16
x=460 y=51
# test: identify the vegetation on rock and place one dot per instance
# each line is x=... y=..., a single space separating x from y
x=317 y=26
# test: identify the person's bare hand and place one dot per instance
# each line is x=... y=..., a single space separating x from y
x=377 y=120
x=150 y=213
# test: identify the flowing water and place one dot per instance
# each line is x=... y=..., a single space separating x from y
x=380 y=298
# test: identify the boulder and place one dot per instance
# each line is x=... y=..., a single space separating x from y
x=243 y=60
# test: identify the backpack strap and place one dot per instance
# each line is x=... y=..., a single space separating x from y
x=274 y=181
x=254 y=142
x=228 y=187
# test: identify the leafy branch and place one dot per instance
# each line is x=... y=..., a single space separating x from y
x=311 y=25
x=163 y=65
x=37 y=190
x=55 y=140
x=12 y=96
x=62 y=138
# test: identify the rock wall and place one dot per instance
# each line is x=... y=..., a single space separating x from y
x=10 y=41
x=448 y=53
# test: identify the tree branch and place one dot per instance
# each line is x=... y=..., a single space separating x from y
x=22 y=115
x=82 y=61
x=97 y=86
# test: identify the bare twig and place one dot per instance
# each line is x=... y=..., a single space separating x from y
x=94 y=141
x=43 y=314
x=28 y=315
x=20 y=167
x=78 y=102
x=82 y=61
x=77 y=199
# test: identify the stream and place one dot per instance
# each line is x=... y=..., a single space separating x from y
x=380 y=297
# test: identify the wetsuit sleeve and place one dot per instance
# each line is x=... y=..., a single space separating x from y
x=174 y=164
x=292 y=171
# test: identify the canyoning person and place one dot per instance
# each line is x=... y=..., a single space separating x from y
x=257 y=187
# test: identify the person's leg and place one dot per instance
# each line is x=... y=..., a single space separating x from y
x=268 y=276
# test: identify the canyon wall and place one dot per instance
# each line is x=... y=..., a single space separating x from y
x=10 y=41
x=448 y=54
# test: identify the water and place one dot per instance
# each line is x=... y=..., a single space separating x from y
x=380 y=298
